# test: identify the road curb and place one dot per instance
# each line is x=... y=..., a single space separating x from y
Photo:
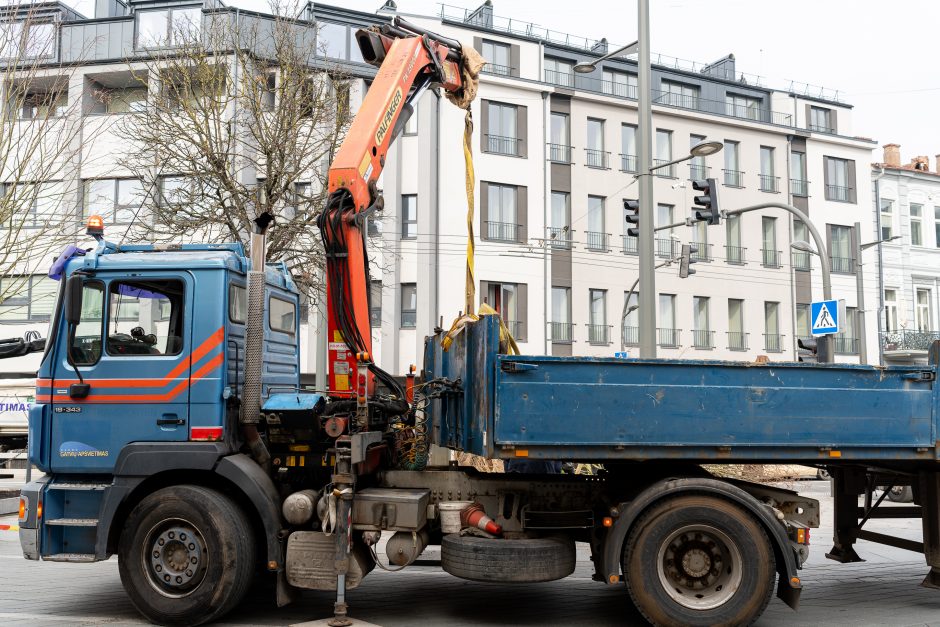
x=10 y=505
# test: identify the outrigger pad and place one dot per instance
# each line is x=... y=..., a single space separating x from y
x=932 y=580
x=844 y=555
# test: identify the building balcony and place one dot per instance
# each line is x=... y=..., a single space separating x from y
x=844 y=345
x=594 y=158
x=769 y=183
x=622 y=90
x=799 y=187
x=562 y=79
x=560 y=332
x=598 y=334
x=771 y=258
x=904 y=340
x=628 y=163
x=801 y=260
x=842 y=265
x=498 y=70
x=821 y=129
x=559 y=238
x=667 y=337
x=773 y=342
x=737 y=340
x=698 y=172
x=667 y=172
x=630 y=245
x=703 y=252
x=502 y=145
x=559 y=153
x=703 y=339
x=667 y=248
x=631 y=335
x=501 y=232
x=838 y=193
x=735 y=255
x=516 y=329
x=597 y=241
x=733 y=178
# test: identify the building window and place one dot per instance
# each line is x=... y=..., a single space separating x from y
x=596 y=236
x=631 y=330
x=27 y=298
x=508 y=299
x=679 y=95
x=734 y=252
x=411 y=126
x=702 y=336
x=664 y=153
x=168 y=27
x=733 y=176
x=559 y=72
x=768 y=182
x=26 y=39
x=799 y=186
x=839 y=183
x=498 y=58
x=697 y=168
x=936 y=226
x=922 y=310
x=37 y=204
x=502 y=224
x=628 y=154
x=772 y=338
x=887 y=218
x=891 y=310
x=559 y=233
x=803 y=321
x=742 y=106
x=666 y=246
x=801 y=259
x=737 y=338
x=917 y=234
x=118 y=201
x=560 y=330
x=846 y=340
x=375 y=304
x=667 y=334
x=596 y=155
x=332 y=40
x=501 y=137
x=598 y=332
x=559 y=148
x=619 y=84
x=840 y=247
x=409 y=216
x=769 y=252
x=409 y=305
x=820 y=120
x=42 y=104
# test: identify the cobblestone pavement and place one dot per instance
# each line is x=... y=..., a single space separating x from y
x=881 y=591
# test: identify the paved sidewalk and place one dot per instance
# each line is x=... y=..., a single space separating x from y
x=881 y=591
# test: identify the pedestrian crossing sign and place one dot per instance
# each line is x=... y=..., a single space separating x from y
x=824 y=315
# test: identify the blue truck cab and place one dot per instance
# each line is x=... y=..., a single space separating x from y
x=148 y=381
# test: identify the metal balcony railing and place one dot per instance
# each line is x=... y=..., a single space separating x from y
x=560 y=332
x=630 y=245
x=562 y=79
x=667 y=338
x=498 y=70
x=799 y=187
x=844 y=345
x=516 y=328
x=594 y=158
x=502 y=145
x=631 y=335
x=673 y=99
x=559 y=153
x=773 y=342
x=908 y=340
x=667 y=172
x=409 y=318
x=598 y=242
x=820 y=129
x=737 y=341
x=771 y=258
x=703 y=339
x=704 y=252
x=769 y=183
x=734 y=255
x=598 y=333
x=627 y=163
x=837 y=192
x=559 y=238
x=697 y=171
x=667 y=248
x=842 y=265
x=502 y=232
x=623 y=90
x=802 y=260
x=734 y=178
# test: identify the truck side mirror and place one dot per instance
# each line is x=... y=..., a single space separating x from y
x=73 y=299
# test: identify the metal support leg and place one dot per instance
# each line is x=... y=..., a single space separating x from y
x=343 y=482
x=847 y=485
x=930 y=512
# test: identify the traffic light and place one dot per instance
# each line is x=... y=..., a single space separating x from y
x=808 y=350
x=631 y=214
x=706 y=208
x=686 y=260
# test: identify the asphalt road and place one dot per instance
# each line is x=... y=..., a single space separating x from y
x=884 y=590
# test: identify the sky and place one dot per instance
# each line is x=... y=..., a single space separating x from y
x=882 y=57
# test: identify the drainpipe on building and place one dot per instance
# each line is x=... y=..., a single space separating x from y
x=881 y=265
x=546 y=199
x=792 y=270
x=436 y=155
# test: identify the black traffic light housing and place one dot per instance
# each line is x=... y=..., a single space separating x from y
x=685 y=261
x=632 y=216
x=808 y=350
x=706 y=205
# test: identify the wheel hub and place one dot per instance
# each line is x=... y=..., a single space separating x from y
x=699 y=567
x=177 y=557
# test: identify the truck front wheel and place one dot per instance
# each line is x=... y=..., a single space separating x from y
x=186 y=555
x=699 y=560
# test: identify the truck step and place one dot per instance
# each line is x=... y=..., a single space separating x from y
x=70 y=557
x=78 y=486
x=73 y=522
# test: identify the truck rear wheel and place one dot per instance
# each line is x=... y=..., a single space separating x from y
x=699 y=560
x=186 y=555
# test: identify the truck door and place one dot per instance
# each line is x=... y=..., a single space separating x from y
x=133 y=348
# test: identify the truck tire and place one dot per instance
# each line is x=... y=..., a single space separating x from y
x=699 y=560
x=508 y=561
x=901 y=494
x=186 y=555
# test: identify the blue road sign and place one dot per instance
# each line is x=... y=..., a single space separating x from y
x=622 y=355
x=824 y=315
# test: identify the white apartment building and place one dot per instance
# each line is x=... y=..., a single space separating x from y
x=907 y=207
x=555 y=157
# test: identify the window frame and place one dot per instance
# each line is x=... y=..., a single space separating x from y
x=182 y=315
x=26 y=300
x=232 y=287
x=271 y=299
x=406 y=221
x=401 y=306
x=170 y=42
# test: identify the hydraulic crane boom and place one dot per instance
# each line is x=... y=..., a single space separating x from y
x=410 y=60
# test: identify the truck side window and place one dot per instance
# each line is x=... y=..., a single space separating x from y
x=237 y=303
x=86 y=347
x=281 y=315
x=146 y=317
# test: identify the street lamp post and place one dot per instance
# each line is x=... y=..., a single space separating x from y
x=860 y=291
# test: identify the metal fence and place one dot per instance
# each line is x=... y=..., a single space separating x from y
x=734 y=178
x=735 y=255
x=771 y=258
x=703 y=338
x=559 y=237
x=594 y=158
x=560 y=331
x=773 y=342
x=597 y=241
x=559 y=153
x=908 y=340
x=737 y=340
x=502 y=145
x=502 y=231
x=667 y=338
x=598 y=333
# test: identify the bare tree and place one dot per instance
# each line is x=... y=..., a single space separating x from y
x=243 y=118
